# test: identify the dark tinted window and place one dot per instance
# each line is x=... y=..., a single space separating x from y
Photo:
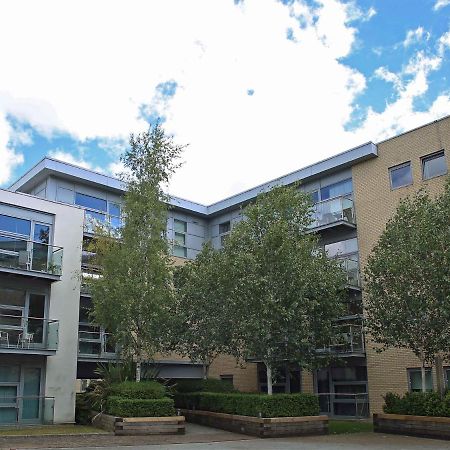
x=336 y=190
x=401 y=175
x=224 y=227
x=90 y=202
x=15 y=225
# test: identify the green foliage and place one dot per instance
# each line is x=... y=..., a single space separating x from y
x=349 y=426
x=142 y=390
x=280 y=405
x=283 y=292
x=408 y=279
x=82 y=409
x=208 y=385
x=133 y=297
x=128 y=407
x=202 y=326
x=417 y=404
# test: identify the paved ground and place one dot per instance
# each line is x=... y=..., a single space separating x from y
x=203 y=438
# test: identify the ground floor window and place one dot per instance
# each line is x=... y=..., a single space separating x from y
x=447 y=376
x=415 y=380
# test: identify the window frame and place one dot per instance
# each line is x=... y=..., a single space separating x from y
x=430 y=157
x=400 y=166
x=419 y=370
x=178 y=232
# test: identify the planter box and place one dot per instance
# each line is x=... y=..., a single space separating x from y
x=425 y=426
x=261 y=427
x=129 y=426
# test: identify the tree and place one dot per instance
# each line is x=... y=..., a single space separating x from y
x=408 y=281
x=132 y=298
x=202 y=327
x=284 y=292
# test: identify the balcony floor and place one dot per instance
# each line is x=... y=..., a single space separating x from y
x=33 y=274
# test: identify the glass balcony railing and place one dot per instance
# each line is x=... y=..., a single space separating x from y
x=351 y=267
x=94 y=219
x=350 y=340
x=20 y=253
x=338 y=209
x=30 y=409
x=94 y=342
x=18 y=333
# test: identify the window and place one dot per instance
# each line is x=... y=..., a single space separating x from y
x=180 y=230
x=339 y=189
x=415 y=380
x=314 y=195
x=434 y=165
x=447 y=377
x=15 y=225
x=401 y=175
x=227 y=379
x=224 y=227
x=90 y=202
x=342 y=247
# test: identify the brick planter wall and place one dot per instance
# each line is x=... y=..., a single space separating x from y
x=261 y=427
x=435 y=427
x=129 y=426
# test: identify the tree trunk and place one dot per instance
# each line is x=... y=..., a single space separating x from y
x=269 y=379
x=439 y=376
x=138 y=370
x=424 y=384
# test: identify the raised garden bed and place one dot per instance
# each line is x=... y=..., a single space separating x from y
x=425 y=426
x=261 y=427
x=129 y=426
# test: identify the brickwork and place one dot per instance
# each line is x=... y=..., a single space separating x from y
x=307 y=382
x=245 y=377
x=375 y=203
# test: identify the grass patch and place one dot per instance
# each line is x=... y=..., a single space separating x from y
x=49 y=429
x=350 y=426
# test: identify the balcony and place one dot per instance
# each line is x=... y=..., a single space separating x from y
x=94 y=343
x=350 y=341
x=351 y=267
x=27 y=410
x=31 y=335
x=94 y=219
x=334 y=212
x=30 y=258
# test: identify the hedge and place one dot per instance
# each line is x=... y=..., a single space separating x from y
x=141 y=390
x=279 y=405
x=208 y=385
x=126 y=407
x=417 y=404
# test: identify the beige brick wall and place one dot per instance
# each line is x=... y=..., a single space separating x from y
x=245 y=377
x=307 y=382
x=375 y=203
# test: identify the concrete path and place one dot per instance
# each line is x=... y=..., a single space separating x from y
x=204 y=438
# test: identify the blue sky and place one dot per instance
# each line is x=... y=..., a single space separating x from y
x=257 y=88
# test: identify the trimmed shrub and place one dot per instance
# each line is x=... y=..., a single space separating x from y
x=128 y=407
x=82 y=409
x=208 y=385
x=417 y=404
x=141 y=390
x=279 y=405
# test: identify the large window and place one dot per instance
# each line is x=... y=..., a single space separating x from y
x=339 y=189
x=90 y=202
x=179 y=238
x=401 y=175
x=15 y=225
x=342 y=247
x=415 y=380
x=434 y=165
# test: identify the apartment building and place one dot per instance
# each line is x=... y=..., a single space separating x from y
x=355 y=193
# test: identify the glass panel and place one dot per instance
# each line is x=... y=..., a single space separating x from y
x=8 y=395
x=15 y=225
x=12 y=297
x=314 y=196
x=114 y=209
x=31 y=388
x=35 y=317
x=85 y=307
x=90 y=202
x=401 y=176
x=110 y=347
x=13 y=252
x=180 y=226
x=415 y=380
x=90 y=348
x=179 y=251
x=10 y=317
x=434 y=166
x=447 y=372
x=40 y=257
x=52 y=335
x=224 y=227
x=116 y=222
x=336 y=190
x=180 y=239
x=55 y=263
x=9 y=373
x=41 y=233
x=342 y=247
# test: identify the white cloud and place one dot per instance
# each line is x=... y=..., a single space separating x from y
x=9 y=157
x=444 y=43
x=87 y=68
x=440 y=4
x=67 y=157
x=415 y=36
